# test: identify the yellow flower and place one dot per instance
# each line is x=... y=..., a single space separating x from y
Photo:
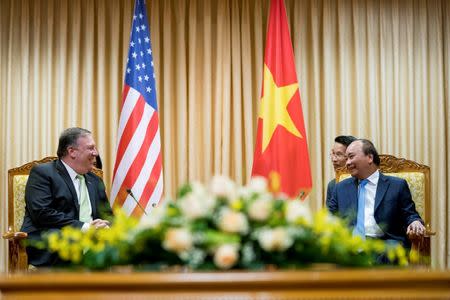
x=76 y=257
x=401 y=255
x=403 y=262
x=171 y=211
x=378 y=246
x=71 y=233
x=414 y=256
x=86 y=242
x=325 y=242
x=320 y=224
x=53 y=241
x=354 y=243
x=75 y=253
x=236 y=205
x=64 y=253
x=391 y=254
x=98 y=247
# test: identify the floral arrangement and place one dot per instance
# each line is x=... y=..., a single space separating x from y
x=223 y=226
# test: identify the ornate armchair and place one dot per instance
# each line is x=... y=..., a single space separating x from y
x=17 y=180
x=418 y=178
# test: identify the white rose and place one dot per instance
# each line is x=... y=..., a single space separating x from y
x=154 y=218
x=210 y=203
x=296 y=209
x=222 y=186
x=277 y=239
x=226 y=256
x=202 y=193
x=233 y=222
x=257 y=184
x=197 y=188
x=244 y=192
x=177 y=240
x=193 y=206
x=260 y=209
x=282 y=196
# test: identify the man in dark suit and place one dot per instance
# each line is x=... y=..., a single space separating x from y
x=375 y=205
x=338 y=158
x=64 y=192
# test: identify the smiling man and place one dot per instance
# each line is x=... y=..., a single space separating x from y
x=64 y=192
x=375 y=205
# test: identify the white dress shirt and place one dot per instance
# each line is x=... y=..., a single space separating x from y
x=370 y=225
x=76 y=183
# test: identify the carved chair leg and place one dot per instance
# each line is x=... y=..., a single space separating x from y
x=18 y=256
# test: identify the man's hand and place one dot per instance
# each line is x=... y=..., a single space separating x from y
x=416 y=229
x=99 y=223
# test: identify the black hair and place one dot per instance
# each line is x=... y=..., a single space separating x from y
x=345 y=139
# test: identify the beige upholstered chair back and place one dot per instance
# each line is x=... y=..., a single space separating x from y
x=17 y=180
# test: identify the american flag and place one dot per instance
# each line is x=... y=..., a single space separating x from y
x=138 y=175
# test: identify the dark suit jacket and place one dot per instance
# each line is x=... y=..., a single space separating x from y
x=394 y=208
x=330 y=189
x=52 y=203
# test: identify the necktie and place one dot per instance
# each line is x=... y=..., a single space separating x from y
x=85 y=206
x=359 y=228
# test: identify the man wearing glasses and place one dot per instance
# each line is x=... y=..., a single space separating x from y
x=338 y=158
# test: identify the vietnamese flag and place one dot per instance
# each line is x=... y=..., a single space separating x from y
x=281 y=147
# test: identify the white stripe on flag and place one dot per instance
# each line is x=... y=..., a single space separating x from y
x=128 y=106
x=157 y=193
x=131 y=151
x=149 y=163
x=143 y=177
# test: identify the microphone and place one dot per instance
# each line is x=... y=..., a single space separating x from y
x=130 y=192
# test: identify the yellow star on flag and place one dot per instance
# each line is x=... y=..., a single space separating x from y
x=273 y=109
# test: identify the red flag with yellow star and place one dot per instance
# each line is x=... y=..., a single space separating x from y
x=281 y=147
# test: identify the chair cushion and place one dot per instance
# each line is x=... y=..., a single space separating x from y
x=416 y=183
x=19 y=183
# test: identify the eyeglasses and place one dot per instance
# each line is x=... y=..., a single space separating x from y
x=338 y=155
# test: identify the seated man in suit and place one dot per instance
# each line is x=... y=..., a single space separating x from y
x=338 y=158
x=64 y=192
x=375 y=205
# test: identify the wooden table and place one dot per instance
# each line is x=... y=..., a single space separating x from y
x=331 y=284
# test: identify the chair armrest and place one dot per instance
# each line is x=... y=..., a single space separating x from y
x=428 y=231
x=17 y=236
x=18 y=261
x=422 y=246
x=12 y=235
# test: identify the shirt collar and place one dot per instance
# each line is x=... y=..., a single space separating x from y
x=71 y=171
x=374 y=177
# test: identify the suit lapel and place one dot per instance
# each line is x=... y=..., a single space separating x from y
x=65 y=175
x=92 y=194
x=382 y=187
x=352 y=196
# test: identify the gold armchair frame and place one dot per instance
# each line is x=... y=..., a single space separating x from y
x=391 y=164
x=17 y=256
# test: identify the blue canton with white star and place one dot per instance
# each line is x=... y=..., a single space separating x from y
x=140 y=73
